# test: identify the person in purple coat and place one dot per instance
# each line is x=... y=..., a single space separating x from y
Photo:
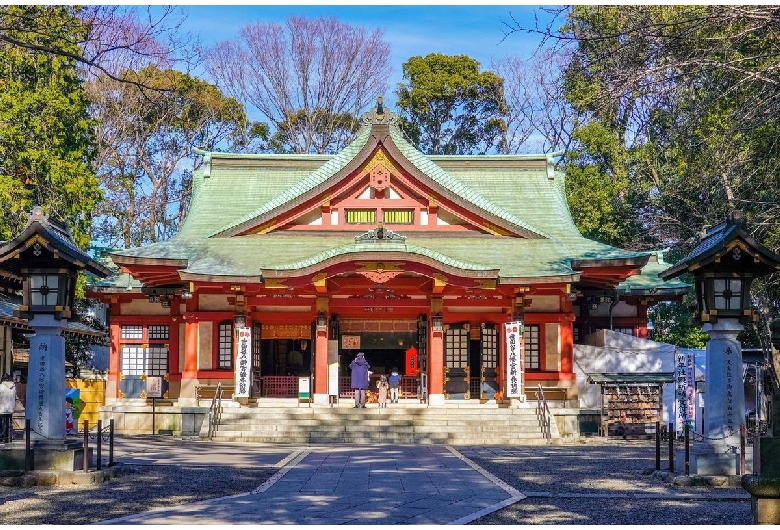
x=360 y=372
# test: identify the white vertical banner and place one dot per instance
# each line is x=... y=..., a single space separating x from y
x=333 y=368
x=514 y=359
x=683 y=389
x=691 y=390
x=242 y=362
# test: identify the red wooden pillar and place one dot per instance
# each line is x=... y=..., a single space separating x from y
x=321 y=363
x=436 y=368
x=567 y=343
x=190 y=349
x=115 y=352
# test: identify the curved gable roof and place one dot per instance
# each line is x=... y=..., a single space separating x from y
x=352 y=157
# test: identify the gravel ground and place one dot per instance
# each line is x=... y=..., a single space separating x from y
x=602 y=484
x=136 y=489
x=592 y=483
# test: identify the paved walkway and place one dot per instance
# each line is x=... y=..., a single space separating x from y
x=332 y=485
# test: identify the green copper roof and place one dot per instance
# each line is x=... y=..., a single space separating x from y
x=521 y=190
x=467 y=193
x=311 y=181
x=251 y=254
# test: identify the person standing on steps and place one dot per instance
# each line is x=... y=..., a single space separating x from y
x=381 y=391
x=360 y=368
x=394 y=381
x=7 y=406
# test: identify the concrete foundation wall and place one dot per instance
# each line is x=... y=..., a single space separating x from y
x=138 y=419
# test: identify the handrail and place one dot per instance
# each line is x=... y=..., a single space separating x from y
x=543 y=414
x=215 y=411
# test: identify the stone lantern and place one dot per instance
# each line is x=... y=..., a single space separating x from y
x=47 y=261
x=723 y=264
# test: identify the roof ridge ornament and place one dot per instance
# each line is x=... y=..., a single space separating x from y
x=378 y=115
x=380 y=233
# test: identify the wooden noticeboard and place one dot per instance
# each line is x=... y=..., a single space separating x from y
x=631 y=404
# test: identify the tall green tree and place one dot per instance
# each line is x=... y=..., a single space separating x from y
x=145 y=141
x=683 y=104
x=449 y=107
x=46 y=140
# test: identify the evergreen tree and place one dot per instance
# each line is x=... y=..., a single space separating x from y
x=46 y=142
x=449 y=107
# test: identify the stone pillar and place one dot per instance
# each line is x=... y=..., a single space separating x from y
x=45 y=407
x=724 y=403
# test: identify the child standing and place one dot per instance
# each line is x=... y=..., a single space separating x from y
x=382 y=388
x=394 y=382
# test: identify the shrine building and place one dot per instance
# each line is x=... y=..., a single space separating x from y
x=419 y=261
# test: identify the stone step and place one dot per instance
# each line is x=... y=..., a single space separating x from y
x=356 y=438
x=384 y=424
x=350 y=412
x=470 y=424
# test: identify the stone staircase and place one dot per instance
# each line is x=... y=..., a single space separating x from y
x=286 y=421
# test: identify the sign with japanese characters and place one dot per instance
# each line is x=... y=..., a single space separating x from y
x=514 y=359
x=154 y=386
x=242 y=362
x=350 y=342
x=684 y=385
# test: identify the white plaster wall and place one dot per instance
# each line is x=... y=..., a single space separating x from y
x=204 y=345
x=143 y=307
x=544 y=304
x=610 y=351
x=552 y=347
x=214 y=302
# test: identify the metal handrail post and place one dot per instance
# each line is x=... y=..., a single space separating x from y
x=86 y=446
x=742 y=439
x=111 y=442
x=99 y=445
x=27 y=449
x=687 y=452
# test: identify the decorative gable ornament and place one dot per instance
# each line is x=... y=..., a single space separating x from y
x=380 y=233
x=379 y=178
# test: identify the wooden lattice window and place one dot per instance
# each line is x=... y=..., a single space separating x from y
x=257 y=335
x=133 y=362
x=132 y=332
x=139 y=360
x=156 y=360
x=456 y=348
x=532 y=346
x=360 y=216
x=158 y=332
x=489 y=347
x=398 y=217
x=225 y=346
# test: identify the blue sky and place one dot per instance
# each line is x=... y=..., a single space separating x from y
x=476 y=31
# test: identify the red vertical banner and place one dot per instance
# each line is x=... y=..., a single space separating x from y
x=412 y=362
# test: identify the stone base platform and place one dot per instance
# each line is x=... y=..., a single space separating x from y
x=713 y=462
x=67 y=455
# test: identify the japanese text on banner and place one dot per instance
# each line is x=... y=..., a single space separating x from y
x=514 y=359
x=242 y=363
